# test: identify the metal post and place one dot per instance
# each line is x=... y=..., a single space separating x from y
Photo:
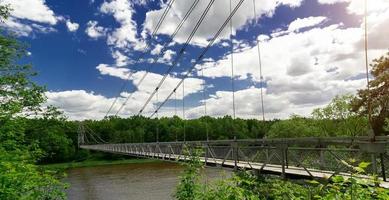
x=283 y=161
x=322 y=156
x=286 y=157
x=382 y=166
x=206 y=153
x=374 y=163
x=235 y=153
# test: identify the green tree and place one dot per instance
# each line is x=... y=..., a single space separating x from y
x=377 y=97
x=337 y=118
x=188 y=187
x=296 y=126
x=20 y=178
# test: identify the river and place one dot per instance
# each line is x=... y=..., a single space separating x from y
x=129 y=181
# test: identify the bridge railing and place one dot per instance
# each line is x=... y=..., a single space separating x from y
x=312 y=155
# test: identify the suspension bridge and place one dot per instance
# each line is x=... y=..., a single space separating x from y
x=301 y=157
x=288 y=157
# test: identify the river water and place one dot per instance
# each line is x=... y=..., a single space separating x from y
x=129 y=181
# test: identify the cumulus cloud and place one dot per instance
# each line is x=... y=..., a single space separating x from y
x=332 y=1
x=72 y=26
x=29 y=16
x=214 y=19
x=120 y=59
x=80 y=104
x=125 y=35
x=94 y=31
x=33 y=10
x=299 y=23
x=152 y=79
x=304 y=65
x=167 y=57
x=157 y=49
x=105 y=69
x=305 y=68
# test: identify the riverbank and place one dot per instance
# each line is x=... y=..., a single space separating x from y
x=92 y=163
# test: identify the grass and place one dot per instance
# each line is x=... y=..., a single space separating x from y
x=91 y=163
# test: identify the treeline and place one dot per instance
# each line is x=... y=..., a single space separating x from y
x=141 y=129
x=346 y=115
x=58 y=137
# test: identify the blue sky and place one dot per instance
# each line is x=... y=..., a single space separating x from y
x=311 y=50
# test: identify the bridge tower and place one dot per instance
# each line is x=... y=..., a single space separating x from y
x=81 y=135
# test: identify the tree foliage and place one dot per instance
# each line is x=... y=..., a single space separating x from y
x=378 y=96
x=245 y=185
x=20 y=178
x=338 y=119
x=296 y=126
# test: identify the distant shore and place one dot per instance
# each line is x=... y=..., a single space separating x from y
x=92 y=163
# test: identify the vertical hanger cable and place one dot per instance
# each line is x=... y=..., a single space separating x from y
x=260 y=67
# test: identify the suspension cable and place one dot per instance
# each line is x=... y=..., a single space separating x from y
x=157 y=99
x=179 y=56
x=175 y=103
x=175 y=109
x=200 y=57
x=147 y=48
x=205 y=102
x=232 y=67
x=232 y=77
x=164 y=48
x=97 y=135
x=260 y=67
x=367 y=71
x=183 y=108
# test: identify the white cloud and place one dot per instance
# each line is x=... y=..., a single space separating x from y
x=72 y=26
x=299 y=23
x=120 y=59
x=34 y=10
x=167 y=57
x=94 y=31
x=152 y=79
x=105 y=69
x=157 y=49
x=79 y=104
x=358 y=7
x=246 y=103
x=125 y=36
x=40 y=18
x=18 y=28
x=304 y=69
x=214 y=19
x=332 y=1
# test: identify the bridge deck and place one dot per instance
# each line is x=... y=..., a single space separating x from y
x=300 y=171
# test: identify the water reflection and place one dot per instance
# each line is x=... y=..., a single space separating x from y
x=130 y=181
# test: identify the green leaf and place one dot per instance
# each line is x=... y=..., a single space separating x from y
x=363 y=165
x=338 y=179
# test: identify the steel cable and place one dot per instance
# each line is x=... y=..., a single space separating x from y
x=200 y=57
x=125 y=83
x=179 y=56
x=232 y=68
x=172 y=36
x=260 y=67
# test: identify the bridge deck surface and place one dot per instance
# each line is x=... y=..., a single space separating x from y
x=268 y=168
